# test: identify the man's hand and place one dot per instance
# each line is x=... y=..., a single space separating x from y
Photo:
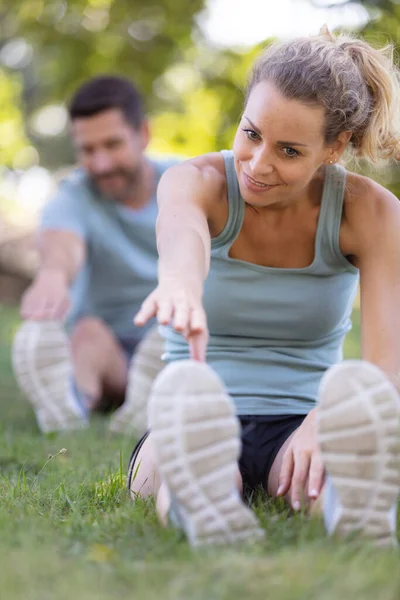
x=47 y=297
x=302 y=463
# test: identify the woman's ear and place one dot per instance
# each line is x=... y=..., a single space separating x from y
x=336 y=148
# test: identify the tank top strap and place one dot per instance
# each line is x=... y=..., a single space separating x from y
x=235 y=206
x=328 y=249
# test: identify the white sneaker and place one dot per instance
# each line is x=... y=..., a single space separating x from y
x=359 y=438
x=131 y=417
x=43 y=369
x=197 y=444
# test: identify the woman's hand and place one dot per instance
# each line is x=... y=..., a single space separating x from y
x=179 y=303
x=302 y=463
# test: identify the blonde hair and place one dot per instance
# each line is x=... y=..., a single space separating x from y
x=357 y=85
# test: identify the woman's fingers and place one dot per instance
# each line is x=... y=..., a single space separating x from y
x=285 y=476
x=181 y=317
x=187 y=318
x=198 y=334
x=198 y=346
x=316 y=476
x=198 y=320
x=164 y=312
x=146 y=312
x=299 y=479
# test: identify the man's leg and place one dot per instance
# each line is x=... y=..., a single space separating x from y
x=146 y=363
x=43 y=369
x=64 y=379
x=100 y=365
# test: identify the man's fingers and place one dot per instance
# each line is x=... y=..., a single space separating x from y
x=285 y=476
x=316 y=476
x=59 y=309
x=300 y=474
x=26 y=313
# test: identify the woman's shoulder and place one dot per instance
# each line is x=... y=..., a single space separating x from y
x=205 y=173
x=208 y=166
x=365 y=196
x=211 y=167
x=368 y=206
x=202 y=181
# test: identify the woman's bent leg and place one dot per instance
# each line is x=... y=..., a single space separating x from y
x=360 y=445
x=197 y=444
x=143 y=475
x=145 y=480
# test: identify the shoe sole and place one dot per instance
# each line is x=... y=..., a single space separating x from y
x=196 y=438
x=146 y=363
x=43 y=368
x=359 y=438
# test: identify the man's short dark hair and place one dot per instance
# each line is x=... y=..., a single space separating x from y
x=107 y=92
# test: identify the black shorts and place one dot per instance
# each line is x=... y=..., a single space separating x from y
x=262 y=438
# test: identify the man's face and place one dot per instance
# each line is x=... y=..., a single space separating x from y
x=111 y=151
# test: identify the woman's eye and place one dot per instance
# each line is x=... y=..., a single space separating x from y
x=290 y=152
x=252 y=135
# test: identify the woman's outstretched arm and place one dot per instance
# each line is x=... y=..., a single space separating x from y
x=185 y=195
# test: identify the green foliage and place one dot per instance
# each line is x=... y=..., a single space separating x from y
x=76 y=39
x=385 y=27
x=384 y=24
x=73 y=40
x=12 y=137
x=207 y=94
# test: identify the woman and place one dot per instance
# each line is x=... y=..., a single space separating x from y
x=266 y=244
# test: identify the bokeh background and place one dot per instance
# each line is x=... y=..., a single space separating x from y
x=189 y=59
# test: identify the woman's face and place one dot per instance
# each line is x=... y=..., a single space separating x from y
x=278 y=148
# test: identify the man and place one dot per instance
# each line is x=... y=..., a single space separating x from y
x=96 y=243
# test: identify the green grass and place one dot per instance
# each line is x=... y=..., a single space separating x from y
x=69 y=530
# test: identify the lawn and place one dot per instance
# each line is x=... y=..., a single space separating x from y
x=68 y=529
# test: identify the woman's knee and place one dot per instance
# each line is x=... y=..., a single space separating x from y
x=145 y=479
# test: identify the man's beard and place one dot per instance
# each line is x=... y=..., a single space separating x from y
x=132 y=179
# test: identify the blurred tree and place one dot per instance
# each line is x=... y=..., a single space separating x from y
x=208 y=90
x=12 y=137
x=385 y=17
x=57 y=45
x=76 y=39
x=385 y=4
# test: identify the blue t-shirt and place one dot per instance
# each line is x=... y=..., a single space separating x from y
x=121 y=266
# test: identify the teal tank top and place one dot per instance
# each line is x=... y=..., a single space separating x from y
x=273 y=331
